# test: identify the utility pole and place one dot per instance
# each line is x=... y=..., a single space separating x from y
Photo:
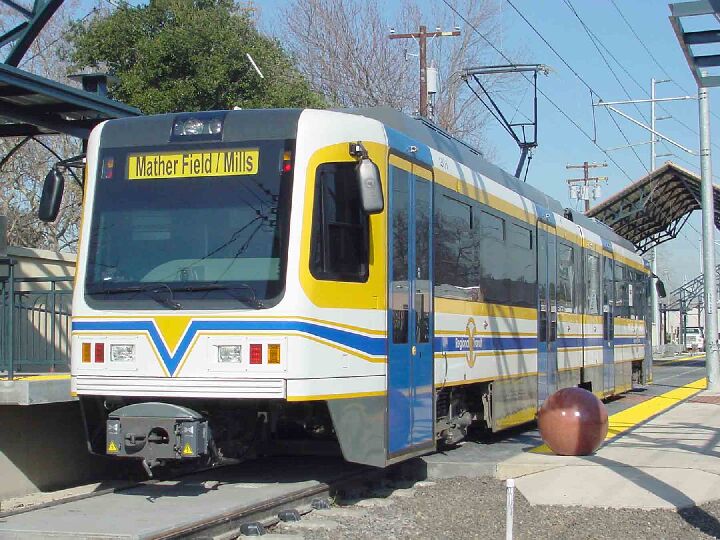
x=712 y=362
x=657 y=338
x=421 y=37
x=655 y=323
x=585 y=183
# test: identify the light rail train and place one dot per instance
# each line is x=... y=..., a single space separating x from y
x=250 y=277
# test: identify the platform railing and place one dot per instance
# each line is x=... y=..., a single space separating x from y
x=34 y=322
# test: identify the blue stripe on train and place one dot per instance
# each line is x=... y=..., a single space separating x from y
x=374 y=346
x=483 y=343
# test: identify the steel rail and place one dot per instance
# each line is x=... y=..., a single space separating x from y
x=231 y=521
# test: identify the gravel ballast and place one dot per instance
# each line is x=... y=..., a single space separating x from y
x=475 y=508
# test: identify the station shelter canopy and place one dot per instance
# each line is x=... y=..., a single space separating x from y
x=32 y=105
x=654 y=208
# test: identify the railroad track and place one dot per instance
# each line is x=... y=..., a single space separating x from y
x=223 y=502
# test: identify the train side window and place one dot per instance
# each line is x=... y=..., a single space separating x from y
x=456 y=249
x=639 y=293
x=592 y=284
x=339 y=241
x=566 y=278
x=520 y=236
x=492 y=227
x=622 y=302
x=520 y=266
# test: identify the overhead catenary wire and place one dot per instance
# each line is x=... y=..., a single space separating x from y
x=594 y=40
x=540 y=91
x=577 y=75
x=657 y=63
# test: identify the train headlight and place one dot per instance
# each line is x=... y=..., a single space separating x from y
x=229 y=354
x=122 y=353
x=194 y=126
x=207 y=126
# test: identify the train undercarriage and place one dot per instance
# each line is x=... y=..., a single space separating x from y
x=214 y=431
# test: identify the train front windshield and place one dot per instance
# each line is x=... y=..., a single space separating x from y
x=189 y=227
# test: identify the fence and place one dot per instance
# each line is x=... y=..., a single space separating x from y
x=34 y=322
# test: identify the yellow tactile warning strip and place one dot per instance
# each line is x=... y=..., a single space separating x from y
x=684 y=359
x=57 y=377
x=625 y=420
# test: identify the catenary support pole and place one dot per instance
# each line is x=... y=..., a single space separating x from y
x=712 y=362
x=653 y=291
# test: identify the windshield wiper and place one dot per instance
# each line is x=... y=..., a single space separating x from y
x=152 y=290
x=251 y=300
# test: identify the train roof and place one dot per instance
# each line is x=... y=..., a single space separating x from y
x=436 y=138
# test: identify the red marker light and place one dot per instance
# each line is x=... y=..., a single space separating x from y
x=99 y=353
x=256 y=353
x=287 y=161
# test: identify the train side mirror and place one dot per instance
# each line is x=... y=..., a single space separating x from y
x=368 y=178
x=660 y=288
x=51 y=196
x=371 y=195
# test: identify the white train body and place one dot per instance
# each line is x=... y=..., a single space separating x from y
x=350 y=345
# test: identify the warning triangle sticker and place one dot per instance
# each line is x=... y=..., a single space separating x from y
x=112 y=447
x=187 y=450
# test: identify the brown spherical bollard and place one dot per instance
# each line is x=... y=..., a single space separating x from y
x=573 y=422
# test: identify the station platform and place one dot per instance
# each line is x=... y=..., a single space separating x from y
x=662 y=451
x=35 y=389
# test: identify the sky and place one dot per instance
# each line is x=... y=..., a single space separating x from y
x=560 y=142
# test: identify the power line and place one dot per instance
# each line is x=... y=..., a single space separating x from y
x=644 y=46
x=652 y=56
x=581 y=79
x=543 y=94
x=551 y=48
x=562 y=59
x=642 y=88
x=595 y=40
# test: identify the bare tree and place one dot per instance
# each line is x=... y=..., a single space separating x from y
x=25 y=162
x=342 y=47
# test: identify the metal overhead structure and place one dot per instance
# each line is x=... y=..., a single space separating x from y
x=24 y=33
x=698 y=63
x=689 y=295
x=525 y=134
x=705 y=15
x=653 y=209
x=31 y=105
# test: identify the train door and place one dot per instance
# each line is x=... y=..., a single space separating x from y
x=608 y=324
x=410 y=355
x=547 y=310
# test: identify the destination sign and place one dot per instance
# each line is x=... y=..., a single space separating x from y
x=193 y=164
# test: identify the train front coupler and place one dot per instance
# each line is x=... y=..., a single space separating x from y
x=157 y=433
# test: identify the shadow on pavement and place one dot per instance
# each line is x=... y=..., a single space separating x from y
x=693 y=515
